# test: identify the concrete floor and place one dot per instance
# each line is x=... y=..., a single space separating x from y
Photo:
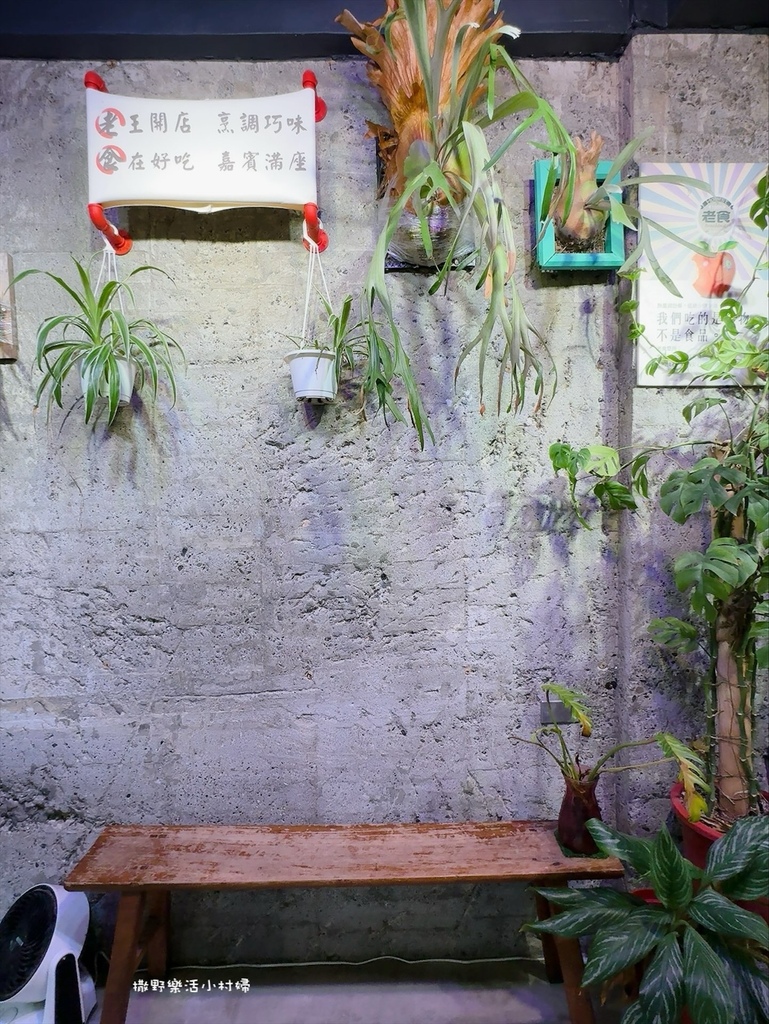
x=384 y=992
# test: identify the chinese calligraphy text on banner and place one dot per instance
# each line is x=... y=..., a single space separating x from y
x=202 y=155
x=719 y=221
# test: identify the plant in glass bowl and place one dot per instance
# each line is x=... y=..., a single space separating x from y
x=580 y=803
x=106 y=347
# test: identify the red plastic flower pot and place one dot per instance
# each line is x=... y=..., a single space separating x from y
x=697 y=840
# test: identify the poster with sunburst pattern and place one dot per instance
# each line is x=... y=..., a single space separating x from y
x=718 y=223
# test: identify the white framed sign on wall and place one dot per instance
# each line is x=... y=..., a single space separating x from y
x=719 y=223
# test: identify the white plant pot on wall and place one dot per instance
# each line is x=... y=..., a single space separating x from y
x=313 y=375
x=126 y=369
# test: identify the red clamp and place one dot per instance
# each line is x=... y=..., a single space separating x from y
x=313 y=228
x=118 y=239
x=309 y=81
x=93 y=81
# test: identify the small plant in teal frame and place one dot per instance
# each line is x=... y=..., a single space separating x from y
x=551 y=254
x=582 y=214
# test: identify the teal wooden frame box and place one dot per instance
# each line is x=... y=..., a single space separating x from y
x=549 y=258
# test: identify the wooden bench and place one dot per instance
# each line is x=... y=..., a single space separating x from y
x=144 y=863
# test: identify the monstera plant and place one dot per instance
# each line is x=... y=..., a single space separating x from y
x=727 y=585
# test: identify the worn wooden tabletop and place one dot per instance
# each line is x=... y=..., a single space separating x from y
x=269 y=856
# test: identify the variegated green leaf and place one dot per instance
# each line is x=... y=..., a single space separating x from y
x=662 y=986
x=602 y=897
x=612 y=950
x=718 y=914
x=750 y=983
x=631 y=850
x=750 y=884
x=669 y=873
x=707 y=993
x=633 y=1015
x=582 y=920
x=733 y=852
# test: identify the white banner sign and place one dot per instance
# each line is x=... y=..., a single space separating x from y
x=202 y=155
x=719 y=222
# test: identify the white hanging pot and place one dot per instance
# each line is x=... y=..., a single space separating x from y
x=313 y=375
x=126 y=369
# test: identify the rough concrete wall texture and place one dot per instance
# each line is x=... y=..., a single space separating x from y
x=240 y=609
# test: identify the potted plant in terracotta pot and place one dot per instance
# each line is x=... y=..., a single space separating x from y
x=109 y=351
x=701 y=957
x=727 y=585
x=580 y=802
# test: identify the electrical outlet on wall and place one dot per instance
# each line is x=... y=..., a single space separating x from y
x=554 y=711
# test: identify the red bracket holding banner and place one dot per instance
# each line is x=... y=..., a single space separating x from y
x=313 y=229
x=117 y=238
x=93 y=81
x=309 y=81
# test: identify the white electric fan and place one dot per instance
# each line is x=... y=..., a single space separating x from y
x=41 y=938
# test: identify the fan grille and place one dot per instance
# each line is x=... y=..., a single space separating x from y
x=25 y=935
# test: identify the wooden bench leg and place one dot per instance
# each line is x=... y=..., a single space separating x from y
x=156 y=931
x=123 y=960
x=563 y=962
x=577 y=999
x=552 y=962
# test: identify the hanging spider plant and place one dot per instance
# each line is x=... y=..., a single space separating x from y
x=435 y=64
x=101 y=343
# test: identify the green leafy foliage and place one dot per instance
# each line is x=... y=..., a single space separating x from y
x=715 y=574
x=452 y=167
x=554 y=740
x=92 y=340
x=727 y=584
x=698 y=949
x=669 y=874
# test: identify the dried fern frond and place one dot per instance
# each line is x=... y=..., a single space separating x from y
x=452 y=38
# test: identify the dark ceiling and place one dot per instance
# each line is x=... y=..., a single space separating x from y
x=299 y=29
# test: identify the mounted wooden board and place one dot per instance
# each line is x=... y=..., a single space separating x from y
x=9 y=347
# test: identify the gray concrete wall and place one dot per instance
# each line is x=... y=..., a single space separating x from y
x=241 y=610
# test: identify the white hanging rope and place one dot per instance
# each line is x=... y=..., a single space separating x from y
x=108 y=272
x=314 y=259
